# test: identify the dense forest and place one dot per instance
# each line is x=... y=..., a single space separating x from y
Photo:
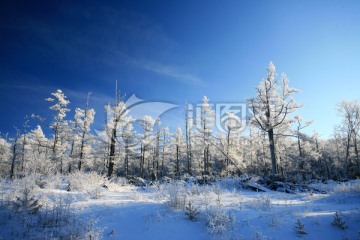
x=273 y=143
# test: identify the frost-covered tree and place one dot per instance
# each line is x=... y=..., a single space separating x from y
x=38 y=156
x=156 y=150
x=179 y=146
x=84 y=118
x=189 y=122
x=60 y=109
x=230 y=143
x=117 y=119
x=300 y=124
x=205 y=123
x=24 y=146
x=272 y=106
x=5 y=154
x=350 y=126
x=165 y=151
x=15 y=152
x=146 y=141
x=128 y=136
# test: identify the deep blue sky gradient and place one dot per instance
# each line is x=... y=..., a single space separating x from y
x=176 y=51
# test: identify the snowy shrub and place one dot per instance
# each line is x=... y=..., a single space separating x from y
x=55 y=216
x=177 y=199
x=54 y=182
x=350 y=187
x=175 y=192
x=56 y=221
x=119 y=181
x=219 y=222
x=263 y=203
x=339 y=222
x=60 y=222
x=274 y=220
x=218 y=200
x=26 y=202
x=300 y=228
x=191 y=210
x=95 y=193
x=259 y=236
x=80 y=181
x=346 y=192
x=195 y=189
x=28 y=182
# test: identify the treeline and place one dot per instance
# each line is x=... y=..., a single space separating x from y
x=272 y=144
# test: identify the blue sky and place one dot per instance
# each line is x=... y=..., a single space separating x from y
x=176 y=51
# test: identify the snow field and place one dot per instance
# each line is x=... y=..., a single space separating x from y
x=113 y=209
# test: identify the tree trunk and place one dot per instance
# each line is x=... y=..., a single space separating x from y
x=56 y=138
x=177 y=162
x=61 y=165
x=82 y=148
x=272 y=151
x=23 y=151
x=347 y=154
x=299 y=146
x=126 y=158
x=188 y=140
x=142 y=161
x=188 y=150
x=205 y=160
x=356 y=153
x=112 y=153
x=12 y=169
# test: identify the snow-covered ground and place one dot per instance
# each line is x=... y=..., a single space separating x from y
x=225 y=211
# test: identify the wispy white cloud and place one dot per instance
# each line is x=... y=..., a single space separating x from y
x=73 y=96
x=153 y=52
x=169 y=71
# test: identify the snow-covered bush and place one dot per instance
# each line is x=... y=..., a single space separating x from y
x=56 y=181
x=260 y=203
x=191 y=210
x=54 y=220
x=338 y=221
x=346 y=192
x=80 y=181
x=175 y=192
x=29 y=182
x=60 y=222
x=118 y=181
x=177 y=197
x=275 y=219
x=95 y=193
x=219 y=222
x=350 y=187
x=26 y=202
x=300 y=228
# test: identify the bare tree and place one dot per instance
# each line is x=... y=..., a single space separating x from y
x=300 y=125
x=350 y=113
